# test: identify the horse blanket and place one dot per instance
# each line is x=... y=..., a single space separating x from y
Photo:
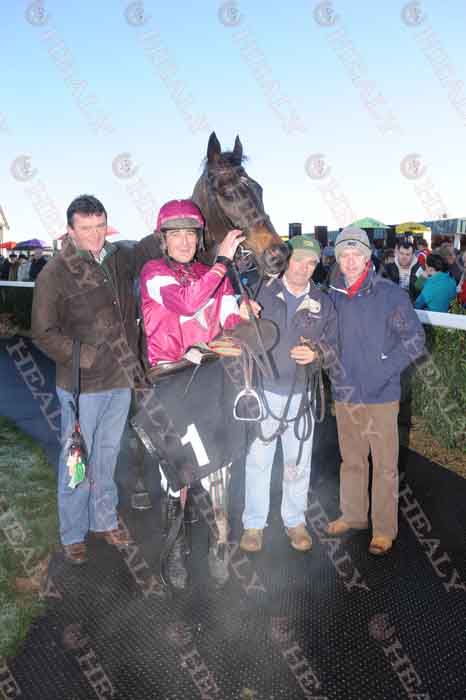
x=187 y=422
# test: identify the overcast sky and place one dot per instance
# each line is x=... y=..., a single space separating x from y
x=346 y=109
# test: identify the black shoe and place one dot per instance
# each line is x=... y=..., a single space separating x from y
x=173 y=567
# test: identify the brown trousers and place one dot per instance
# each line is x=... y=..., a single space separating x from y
x=363 y=428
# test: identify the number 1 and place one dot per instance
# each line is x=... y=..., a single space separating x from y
x=193 y=438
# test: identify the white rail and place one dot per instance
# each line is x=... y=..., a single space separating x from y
x=428 y=318
x=435 y=318
x=16 y=284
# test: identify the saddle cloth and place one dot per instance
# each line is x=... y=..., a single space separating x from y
x=193 y=433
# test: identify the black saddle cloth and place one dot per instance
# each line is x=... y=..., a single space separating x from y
x=193 y=433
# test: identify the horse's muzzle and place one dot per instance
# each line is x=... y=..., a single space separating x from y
x=275 y=259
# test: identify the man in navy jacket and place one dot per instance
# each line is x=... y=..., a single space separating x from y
x=379 y=335
x=307 y=321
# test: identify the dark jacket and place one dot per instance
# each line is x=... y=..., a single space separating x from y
x=36 y=267
x=76 y=297
x=392 y=272
x=380 y=335
x=315 y=320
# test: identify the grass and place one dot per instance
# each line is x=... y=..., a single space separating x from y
x=28 y=530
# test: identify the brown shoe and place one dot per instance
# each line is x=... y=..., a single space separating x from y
x=338 y=527
x=380 y=545
x=117 y=537
x=300 y=539
x=251 y=541
x=75 y=553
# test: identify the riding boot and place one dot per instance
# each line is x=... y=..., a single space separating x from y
x=218 y=556
x=191 y=511
x=175 y=566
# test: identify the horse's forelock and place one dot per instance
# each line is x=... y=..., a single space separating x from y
x=227 y=159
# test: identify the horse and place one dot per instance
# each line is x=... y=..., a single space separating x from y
x=229 y=198
x=189 y=424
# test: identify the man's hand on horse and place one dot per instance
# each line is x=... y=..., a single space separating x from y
x=244 y=309
x=303 y=354
x=228 y=246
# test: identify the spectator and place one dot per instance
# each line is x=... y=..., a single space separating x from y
x=439 y=289
x=13 y=268
x=380 y=335
x=447 y=252
x=422 y=252
x=23 y=269
x=4 y=269
x=300 y=311
x=37 y=263
x=388 y=256
x=404 y=271
x=461 y=289
x=101 y=314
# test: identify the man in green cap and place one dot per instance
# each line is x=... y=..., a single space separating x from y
x=307 y=323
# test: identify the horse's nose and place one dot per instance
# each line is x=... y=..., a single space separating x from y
x=275 y=258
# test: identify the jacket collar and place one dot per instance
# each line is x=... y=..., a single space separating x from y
x=339 y=285
x=69 y=246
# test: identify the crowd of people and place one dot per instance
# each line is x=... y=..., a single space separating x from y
x=21 y=267
x=432 y=278
x=335 y=306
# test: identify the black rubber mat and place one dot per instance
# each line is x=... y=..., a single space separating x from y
x=335 y=623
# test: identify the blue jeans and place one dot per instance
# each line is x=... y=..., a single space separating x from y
x=259 y=463
x=92 y=504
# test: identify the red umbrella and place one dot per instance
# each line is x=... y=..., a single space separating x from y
x=9 y=245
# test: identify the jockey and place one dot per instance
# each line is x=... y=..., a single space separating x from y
x=185 y=303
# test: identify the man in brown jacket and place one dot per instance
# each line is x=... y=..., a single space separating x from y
x=86 y=293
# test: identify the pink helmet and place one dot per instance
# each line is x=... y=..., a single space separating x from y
x=179 y=213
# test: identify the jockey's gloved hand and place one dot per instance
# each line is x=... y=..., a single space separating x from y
x=226 y=347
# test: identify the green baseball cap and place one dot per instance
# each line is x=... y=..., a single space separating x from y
x=305 y=246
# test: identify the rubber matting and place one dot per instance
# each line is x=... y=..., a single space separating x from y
x=335 y=623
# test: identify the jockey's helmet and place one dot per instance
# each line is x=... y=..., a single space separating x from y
x=180 y=214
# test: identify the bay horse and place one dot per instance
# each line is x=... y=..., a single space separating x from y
x=189 y=436
x=229 y=198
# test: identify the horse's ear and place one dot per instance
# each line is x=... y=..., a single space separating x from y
x=238 y=151
x=213 y=149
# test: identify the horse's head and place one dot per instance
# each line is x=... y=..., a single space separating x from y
x=229 y=199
